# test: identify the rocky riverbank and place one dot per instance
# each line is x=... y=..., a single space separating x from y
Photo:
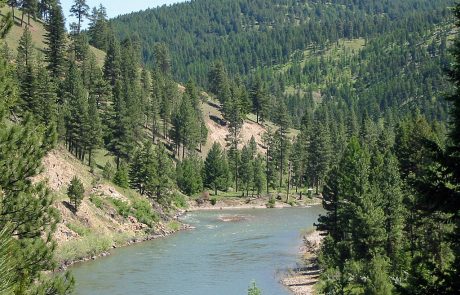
x=262 y=202
x=161 y=232
x=302 y=280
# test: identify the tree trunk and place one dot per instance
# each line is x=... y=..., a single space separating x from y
x=289 y=182
x=22 y=18
x=267 y=172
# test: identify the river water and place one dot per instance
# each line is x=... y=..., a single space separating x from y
x=217 y=258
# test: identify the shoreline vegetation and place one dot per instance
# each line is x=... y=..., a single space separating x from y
x=303 y=279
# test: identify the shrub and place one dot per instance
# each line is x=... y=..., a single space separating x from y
x=213 y=201
x=98 y=202
x=121 y=207
x=271 y=203
x=180 y=201
x=144 y=213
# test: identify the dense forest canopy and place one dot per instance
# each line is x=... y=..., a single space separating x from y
x=257 y=38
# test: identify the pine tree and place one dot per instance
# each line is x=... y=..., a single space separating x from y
x=112 y=63
x=25 y=51
x=156 y=102
x=259 y=99
x=143 y=172
x=98 y=28
x=80 y=10
x=94 y=132
x=30 y=7
x=282 y=122
x=215 y=169
x=218 y=82
x=189 y=175
x=46 y=96
x=319 y=151
x=162 y=59
x=55 y=39
x=270 y=145
x=259 y=180
x=76 y=191
x=26 y=210
x=166 y=178
x=121 y=177
x=246 y=169
x=232 y=114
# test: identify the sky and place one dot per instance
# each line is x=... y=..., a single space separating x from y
x=117 y=7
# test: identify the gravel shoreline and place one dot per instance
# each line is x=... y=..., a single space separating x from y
x=302 y=280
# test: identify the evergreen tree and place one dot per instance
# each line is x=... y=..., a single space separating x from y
x=246 y=169
x=143 y=172
x=55 y=39
x=215 y=169
x=218 y=82
x=28 y=216
x=112 y=63
x=189 y=175
x=80 y=10
x=259 y=180
x=259 y=99
x=282 y=122
x=162 y=59
x=75 y=192
x=94 y=133
x=98 y=30
x=166 y=177
x=30 y=7
x=121 y=177
x=319 y=151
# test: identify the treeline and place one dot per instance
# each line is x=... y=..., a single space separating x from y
x=392 y=209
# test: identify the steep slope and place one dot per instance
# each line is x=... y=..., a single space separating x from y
x=108 y=217
x=38 y=32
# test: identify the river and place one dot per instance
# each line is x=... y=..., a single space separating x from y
x=216 y=258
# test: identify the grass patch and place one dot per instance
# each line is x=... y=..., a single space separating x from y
x=79 y=229
x=97 y=201
x=173 y=225
x=90 y=245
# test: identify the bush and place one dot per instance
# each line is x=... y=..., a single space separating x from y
x=271 y=203
x=213 y=201
x=180 y=201
x=144 y=213
x=98 y=202
x=122 y=207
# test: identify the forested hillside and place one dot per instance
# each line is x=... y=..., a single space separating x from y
x=288 y=44
x=281 y=99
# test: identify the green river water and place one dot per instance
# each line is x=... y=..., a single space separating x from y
x=216 y=258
